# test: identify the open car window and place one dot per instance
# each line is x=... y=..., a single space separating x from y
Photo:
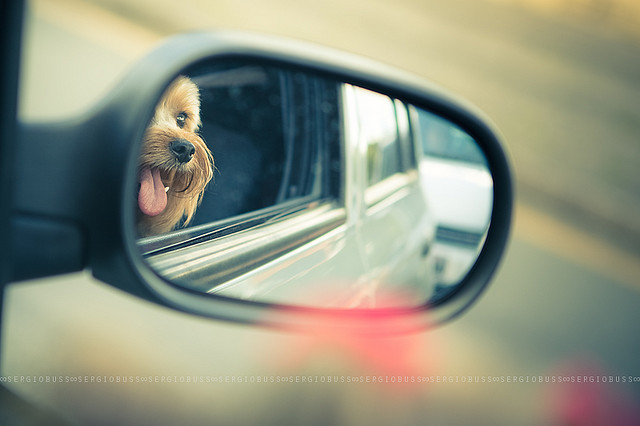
x=275 y=136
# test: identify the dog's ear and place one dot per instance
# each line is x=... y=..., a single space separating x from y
x=204 y=164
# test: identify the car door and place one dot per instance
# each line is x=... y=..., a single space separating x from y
x=394 y=227
x=272 y=224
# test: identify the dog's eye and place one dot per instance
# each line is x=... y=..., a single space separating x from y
x=181 y=119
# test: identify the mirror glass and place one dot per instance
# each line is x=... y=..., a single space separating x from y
x=274 y=184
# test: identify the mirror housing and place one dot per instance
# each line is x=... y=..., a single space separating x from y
x=90 y=164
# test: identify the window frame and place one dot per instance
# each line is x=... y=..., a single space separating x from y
x=205 y=256
x=203 y=266
x=393 y=186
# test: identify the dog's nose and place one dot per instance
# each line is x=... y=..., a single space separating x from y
x=182 y=149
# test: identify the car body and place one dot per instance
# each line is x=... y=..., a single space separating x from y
x=318 y=205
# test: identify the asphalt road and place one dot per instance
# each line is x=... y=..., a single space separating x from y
x=564 y=302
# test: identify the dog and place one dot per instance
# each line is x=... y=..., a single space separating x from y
x=175 y=164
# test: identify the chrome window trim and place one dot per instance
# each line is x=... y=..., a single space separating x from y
x=163 y=243
x=389 y=188
x=206 y=265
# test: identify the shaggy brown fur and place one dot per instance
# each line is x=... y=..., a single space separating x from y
x=175 y=164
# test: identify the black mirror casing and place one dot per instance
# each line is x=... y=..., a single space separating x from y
x=81 y=215
x=11 y=17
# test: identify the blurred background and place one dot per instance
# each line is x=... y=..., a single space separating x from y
x=559 y=78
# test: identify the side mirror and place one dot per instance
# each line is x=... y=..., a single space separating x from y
x=262 y=180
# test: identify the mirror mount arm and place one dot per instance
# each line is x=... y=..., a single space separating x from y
x=48 y=236
x=65 y=191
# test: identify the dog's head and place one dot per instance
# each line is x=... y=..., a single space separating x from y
x=175 y=164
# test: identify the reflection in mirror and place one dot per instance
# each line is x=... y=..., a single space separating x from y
x=459 y=191
x=273 y=184
x=175 y=164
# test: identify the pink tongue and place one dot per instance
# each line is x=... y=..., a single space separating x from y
x=152 y=198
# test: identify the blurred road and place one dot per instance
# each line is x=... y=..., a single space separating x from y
x=565 y=301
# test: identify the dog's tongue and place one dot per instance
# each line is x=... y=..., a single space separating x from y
x=152 y=198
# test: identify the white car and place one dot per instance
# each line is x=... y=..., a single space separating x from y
x=459 y=191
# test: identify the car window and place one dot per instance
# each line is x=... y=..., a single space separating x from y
x=275 y=139
x=442 y=140
x=265 y=140
x=378 y=130
x=380 y=125
x=407 y=138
